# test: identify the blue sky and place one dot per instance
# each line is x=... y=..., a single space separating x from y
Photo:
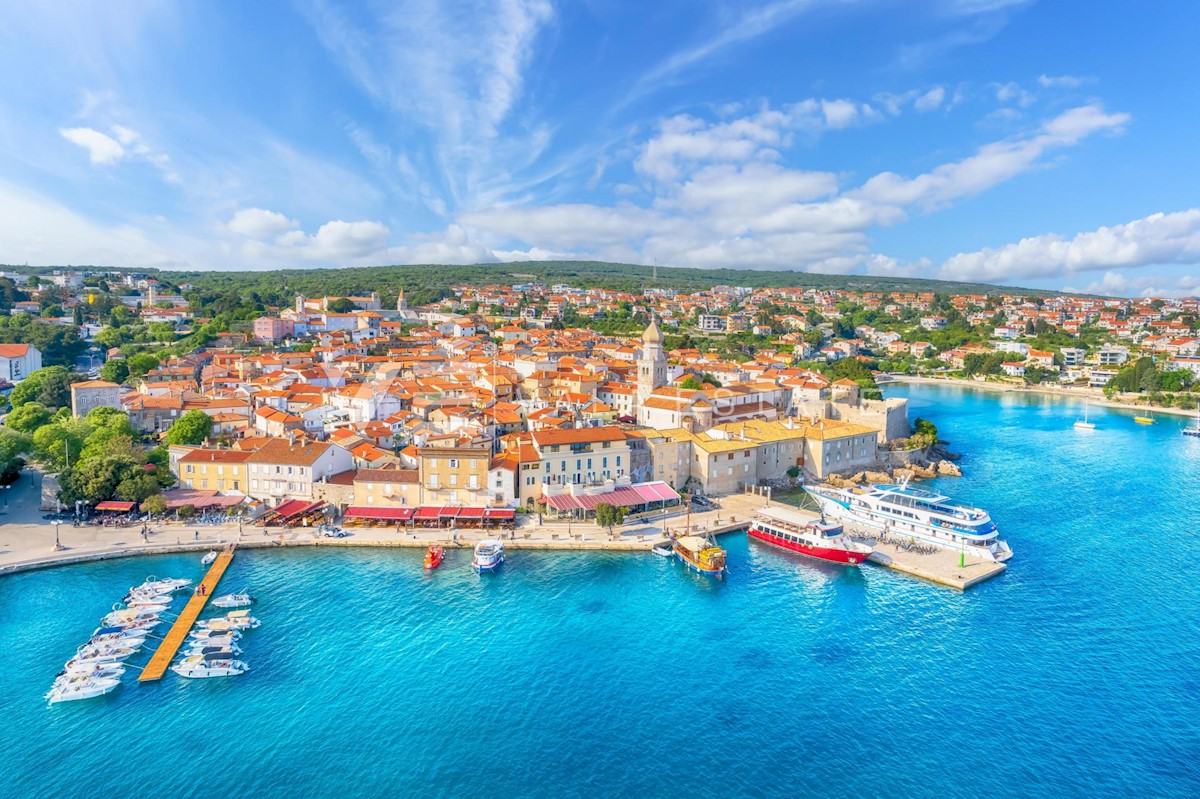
x=1048 y=144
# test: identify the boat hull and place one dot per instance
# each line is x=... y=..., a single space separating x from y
x=830 y=554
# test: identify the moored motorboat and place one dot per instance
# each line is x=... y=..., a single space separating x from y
x=130 y=616
x=209 y=558
x=77 y=668
x=700 y=553
x=1193 y=429
x=232 y=650
x=154 y=585
x=489 y=554
x=664 y=549
x=83 y=688
x=820 y=539
x=215 y=637
x=205 y=666
x=434 y=557
x=241 y=599
x=105 y=652
x=130 y=640
x=229 y=622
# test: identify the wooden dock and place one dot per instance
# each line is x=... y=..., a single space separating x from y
x=174 y=638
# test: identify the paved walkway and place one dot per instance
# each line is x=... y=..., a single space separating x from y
x=28 y=541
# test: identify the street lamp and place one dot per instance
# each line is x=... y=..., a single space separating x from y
x=57 y=543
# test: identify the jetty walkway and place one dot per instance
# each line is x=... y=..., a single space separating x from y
x=165 y=653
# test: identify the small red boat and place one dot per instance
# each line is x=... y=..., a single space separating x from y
x=434 y=556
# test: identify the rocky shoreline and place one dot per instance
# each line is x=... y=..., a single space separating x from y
x=937 y=461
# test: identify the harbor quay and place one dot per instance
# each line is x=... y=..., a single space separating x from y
x=31 y=545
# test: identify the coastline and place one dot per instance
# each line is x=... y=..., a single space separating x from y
x=1094 y=396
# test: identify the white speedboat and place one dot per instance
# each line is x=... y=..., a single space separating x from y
x=131 y=616
x=209 y=558
x=489 y=554
x=904 y=512
x=140 y=598
x=154 y=585
x=241 y=599
x=204 y=666
x=230 y=650
x=77 y=668
x=131 y=640
x=215 y=637
x=104 y=652
x=87 y=688
x=664 y=549
x=234 y=620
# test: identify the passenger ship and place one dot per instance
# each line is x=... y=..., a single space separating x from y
x=908 y=512
x=816 y=539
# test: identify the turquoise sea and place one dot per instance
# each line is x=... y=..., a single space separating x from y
x=1077 y=673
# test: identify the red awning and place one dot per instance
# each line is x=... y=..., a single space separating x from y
x=392 y=514
x=290 y=507
x=427 y=512
x=501 y=513
x=305 y=508
x=114 y=505
x=470 y=513
x=449 y=512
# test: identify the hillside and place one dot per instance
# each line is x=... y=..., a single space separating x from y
x=426 y=282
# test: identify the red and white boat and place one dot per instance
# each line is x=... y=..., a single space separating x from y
x=795 y=532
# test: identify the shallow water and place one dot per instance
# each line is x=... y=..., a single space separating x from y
x=572 y=674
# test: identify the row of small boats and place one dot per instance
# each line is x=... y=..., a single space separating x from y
x=97 y=666
x=212 y=648
x=487 y=556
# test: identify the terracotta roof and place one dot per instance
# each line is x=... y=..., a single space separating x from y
x=280 y=450
x=587 y=435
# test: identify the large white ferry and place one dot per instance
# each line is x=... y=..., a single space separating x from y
x=906 y=512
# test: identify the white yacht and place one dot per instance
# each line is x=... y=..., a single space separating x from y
x=489 y=554
x=84 y=668
x=234 y=620
x=85 y=688
x=206 y=666
x=104 y=652
x=906 y=512
x=241 y=599
x=154 y=585
x=230 y=650
x=212 y=637
x=1084 y=424
x=143 y=616
x=209 y=558
x=132 y=640
x=148 y=600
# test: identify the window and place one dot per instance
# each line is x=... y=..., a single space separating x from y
x=454 y=463
x=453 y=480
x=189 y=468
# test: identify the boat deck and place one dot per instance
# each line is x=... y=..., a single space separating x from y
x=174 y=638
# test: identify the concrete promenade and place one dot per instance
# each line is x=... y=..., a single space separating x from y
x=27 y=540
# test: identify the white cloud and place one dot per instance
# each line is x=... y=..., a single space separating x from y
x=931 y=99
x=101 y=148
x=128 y=145
x=258 y=223
x=992 y=164
x=1062 y=81
x=1013 y=93
x=1153 y=240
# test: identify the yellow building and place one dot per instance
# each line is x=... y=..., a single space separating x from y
x=386 y=488
x=454 y=475
x=214 y=469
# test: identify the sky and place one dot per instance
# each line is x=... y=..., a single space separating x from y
x=1025 y=142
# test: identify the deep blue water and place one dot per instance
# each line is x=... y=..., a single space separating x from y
x=1074 y=674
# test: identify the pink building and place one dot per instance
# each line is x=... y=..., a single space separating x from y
x=272 y=328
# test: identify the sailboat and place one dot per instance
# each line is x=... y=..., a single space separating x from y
x=1144 y=419
x=1084 y=424
x=1194 y=428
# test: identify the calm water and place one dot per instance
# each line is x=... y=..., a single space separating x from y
x=1075 y=674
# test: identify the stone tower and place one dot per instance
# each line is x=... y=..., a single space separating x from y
x=652 y=366
x=401 y=303
x=300 y=300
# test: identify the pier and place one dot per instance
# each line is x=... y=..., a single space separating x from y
x=174 y=638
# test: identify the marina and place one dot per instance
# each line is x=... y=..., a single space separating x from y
x=178 y=633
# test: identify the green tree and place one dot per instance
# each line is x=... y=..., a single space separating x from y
x=190 y=429
x=341 y=305
x=141 y=363
x=56 y=445
x=610 y=516
x=12 y=446
x=137 y=487
x=30 y=389
x=56 y=388
x=155 y=503
x=116 y=370
x=28 y=417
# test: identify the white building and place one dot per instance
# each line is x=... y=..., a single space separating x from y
x=18 y=360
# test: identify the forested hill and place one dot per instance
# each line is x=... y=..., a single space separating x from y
x=427 y=282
